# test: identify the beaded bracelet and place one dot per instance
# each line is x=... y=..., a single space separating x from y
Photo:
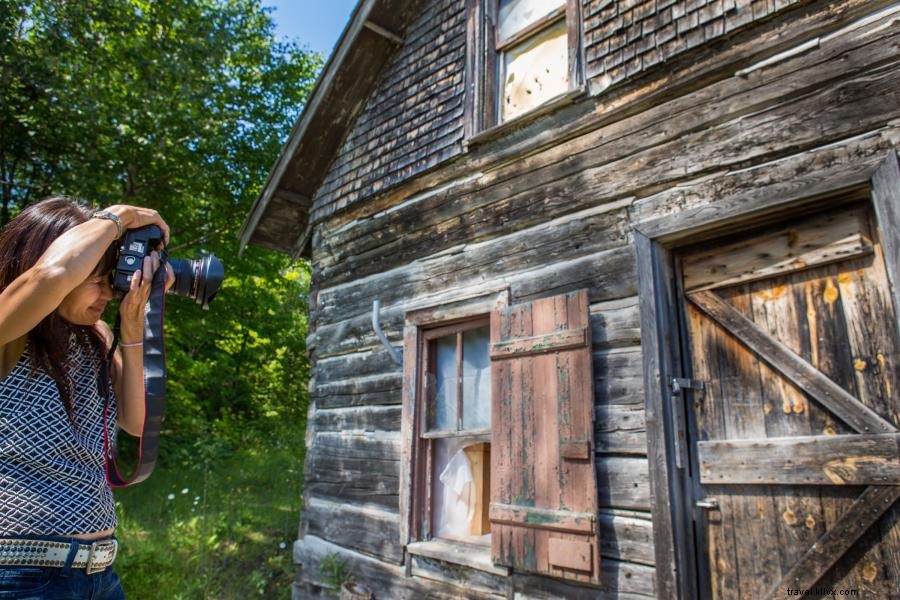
x=134 y=345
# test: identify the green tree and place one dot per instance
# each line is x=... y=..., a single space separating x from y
x=180 y=105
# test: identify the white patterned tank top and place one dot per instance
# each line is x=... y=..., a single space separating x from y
x=53 y=471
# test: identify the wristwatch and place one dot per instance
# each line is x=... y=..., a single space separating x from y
x=105 y=214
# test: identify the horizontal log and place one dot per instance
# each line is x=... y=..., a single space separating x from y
x=606 y=269
x=364 y=528
x=623 y=482
x=358 y=419
x=432 y=569
x=380 y=446
x=383 y=579
x=354 y=479
x=620 y=429
x=616 y=323
x=374 y=390
x=806 y=460
x=618 y=581
x=618 y=377
x=543 y=518
x=626 y=538
x=540 y=344
x=356 y=365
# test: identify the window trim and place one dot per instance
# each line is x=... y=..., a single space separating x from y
x=413 y=466
x=482 y=66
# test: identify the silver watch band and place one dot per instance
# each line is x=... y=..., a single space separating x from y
x=105 y=214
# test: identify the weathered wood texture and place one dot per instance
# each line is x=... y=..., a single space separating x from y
x=787 y=359
x=437 y=580
x=543 y=495
x=550 y=219
x=414 y=120
x=652 y=151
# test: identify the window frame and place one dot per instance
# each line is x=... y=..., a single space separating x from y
x=482 y=114
x=425 y=443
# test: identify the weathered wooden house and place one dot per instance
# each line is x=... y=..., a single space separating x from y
x=638 y=268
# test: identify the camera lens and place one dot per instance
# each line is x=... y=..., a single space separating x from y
x=198 y=279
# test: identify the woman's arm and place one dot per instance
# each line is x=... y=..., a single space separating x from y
x=69 y=260
x=128 y=362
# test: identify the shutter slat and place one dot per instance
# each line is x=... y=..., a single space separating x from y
x=543 y=518
x=539 y=344
x=544 y=495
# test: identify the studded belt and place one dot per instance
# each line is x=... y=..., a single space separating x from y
x=92 y=556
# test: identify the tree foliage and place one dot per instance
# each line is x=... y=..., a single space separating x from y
x=180 y=105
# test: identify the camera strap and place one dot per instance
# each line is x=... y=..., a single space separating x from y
x=154 y=388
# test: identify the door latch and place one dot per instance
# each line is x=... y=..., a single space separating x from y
x=708 y=504
x=682 y=383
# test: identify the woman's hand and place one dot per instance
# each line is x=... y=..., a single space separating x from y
x=133 y=217
x=132 y=308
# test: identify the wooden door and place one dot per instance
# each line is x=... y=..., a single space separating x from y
x=794 y=438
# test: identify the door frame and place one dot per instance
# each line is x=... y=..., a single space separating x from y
x=679 y=573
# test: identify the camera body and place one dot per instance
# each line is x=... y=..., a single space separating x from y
x=198 y=279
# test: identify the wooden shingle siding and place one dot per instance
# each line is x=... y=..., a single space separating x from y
x=413 y=120
x=625 y=37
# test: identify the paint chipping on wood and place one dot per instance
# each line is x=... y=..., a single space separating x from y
x=831 y=292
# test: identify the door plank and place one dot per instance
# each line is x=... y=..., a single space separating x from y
x=804 y=460
x=823 y=239
x=849 y=409
x=863 y=513
x=886 y=193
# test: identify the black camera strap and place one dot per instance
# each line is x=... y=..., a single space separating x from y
x=154 y=387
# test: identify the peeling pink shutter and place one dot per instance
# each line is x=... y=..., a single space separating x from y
x=543 y=482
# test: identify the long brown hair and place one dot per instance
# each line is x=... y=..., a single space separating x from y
x=22 y=242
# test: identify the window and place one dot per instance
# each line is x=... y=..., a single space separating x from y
x=497 y=437
x=523 y=55
x=455 y=436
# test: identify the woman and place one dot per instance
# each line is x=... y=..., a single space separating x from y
x=57 y=515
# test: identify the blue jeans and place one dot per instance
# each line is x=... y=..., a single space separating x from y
x=58 y=583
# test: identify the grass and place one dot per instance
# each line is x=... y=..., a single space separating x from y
x=220 y=529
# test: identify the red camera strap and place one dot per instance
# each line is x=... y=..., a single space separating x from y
x=154 y=389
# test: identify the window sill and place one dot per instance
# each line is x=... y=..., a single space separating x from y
x=470 y=555
x=551 y=105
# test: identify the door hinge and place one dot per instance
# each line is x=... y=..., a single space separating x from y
x=681 y=383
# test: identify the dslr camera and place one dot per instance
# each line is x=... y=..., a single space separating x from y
x=198 y=279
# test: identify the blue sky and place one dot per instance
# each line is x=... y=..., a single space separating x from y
x=317 y=23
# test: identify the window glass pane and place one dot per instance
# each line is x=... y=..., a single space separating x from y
x=535 y=71
x=476 y=379
x=516 y=15
x=443 y=415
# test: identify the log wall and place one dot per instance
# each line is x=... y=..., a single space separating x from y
x=553 y=217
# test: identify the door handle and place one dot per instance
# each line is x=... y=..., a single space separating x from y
x=708 y=504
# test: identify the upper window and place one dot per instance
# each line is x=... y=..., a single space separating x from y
x=522 y=55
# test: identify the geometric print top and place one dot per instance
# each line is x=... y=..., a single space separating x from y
x=53 y=472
